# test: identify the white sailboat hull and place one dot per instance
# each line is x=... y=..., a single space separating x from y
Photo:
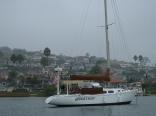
x=124 y=97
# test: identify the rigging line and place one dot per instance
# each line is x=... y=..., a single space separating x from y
x=117 y=28
x=126 y=44
x=78 y=29
x=111 y=39
x=102 y=43
x=83 y=27
x=115 y=50
x=123 y=45
x=121 y=32
x=98 y=42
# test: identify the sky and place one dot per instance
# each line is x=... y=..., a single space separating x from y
x=71 y=27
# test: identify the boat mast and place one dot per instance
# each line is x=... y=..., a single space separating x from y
x=106 y=29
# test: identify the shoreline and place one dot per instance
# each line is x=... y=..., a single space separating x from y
x=29 y=94
x=20 y=94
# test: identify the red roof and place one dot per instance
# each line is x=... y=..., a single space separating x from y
x=142 y=82
x=117 y=80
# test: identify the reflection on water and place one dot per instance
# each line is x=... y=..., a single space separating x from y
x=35 y=106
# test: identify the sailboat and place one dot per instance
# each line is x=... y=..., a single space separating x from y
x=91 y=93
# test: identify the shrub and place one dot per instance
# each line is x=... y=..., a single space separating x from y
x=20 y=90
x=51 y=90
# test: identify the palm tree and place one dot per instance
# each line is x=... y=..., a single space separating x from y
x=87 y=54
x=135 y=58
x=20 y=58
x=140 y=58
x=12 y=74
x=13 y=58
x=44 y=62
x=47 y=52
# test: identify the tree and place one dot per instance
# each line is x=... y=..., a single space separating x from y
x=12 y=74
x=19 y=51
x=13 y=58
x=44 y=62
x=135 y=58
x=140 y=58
x=130 y=79
x=71 y=65
x=51 y=90
x=28 y=80
x=60 y=61
x=20 y=58
x=87 y=54
x=98 y=62
x=96 y=70
x=1 y=54
x=47 y=52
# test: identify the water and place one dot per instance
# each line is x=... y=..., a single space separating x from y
x=35 y=106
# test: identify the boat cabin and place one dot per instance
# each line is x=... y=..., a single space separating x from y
x=91 y=88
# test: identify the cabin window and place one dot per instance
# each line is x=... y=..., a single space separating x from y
x=118 y=90
x=110 y=91
x=85 y=86
x=105 y=92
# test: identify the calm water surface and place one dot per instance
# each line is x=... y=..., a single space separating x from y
x=35 y=106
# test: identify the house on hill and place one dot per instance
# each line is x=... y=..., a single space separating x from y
x=3 y=84
x=77 y=66
x=118 y=82
x=83 y=59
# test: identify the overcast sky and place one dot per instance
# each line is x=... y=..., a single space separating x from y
x=70 y=27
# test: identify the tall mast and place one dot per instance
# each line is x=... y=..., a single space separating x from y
x=106 y=29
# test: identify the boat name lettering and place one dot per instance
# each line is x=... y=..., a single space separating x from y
x=84 y=98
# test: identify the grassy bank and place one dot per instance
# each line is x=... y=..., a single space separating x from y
x=14 y=94
x=21 y=94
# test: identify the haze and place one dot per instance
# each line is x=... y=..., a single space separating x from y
x=36 y=24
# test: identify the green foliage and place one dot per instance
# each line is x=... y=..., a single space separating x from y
x=96 y=70
x=60 y=61
x=153 y=71
x=98 y=62
x=51 y=90
x=20 y=58
x=44 y=62
x=12 y=74
x=140 y=58
x=71 y=65
x=130 y=79
x=92 y=59
x=30 y=80
x=19 y=51
x=20 y=90
x=135 y=58
x=47 y=52
x=1 y=54
x=87 y=54
x=13 y=58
